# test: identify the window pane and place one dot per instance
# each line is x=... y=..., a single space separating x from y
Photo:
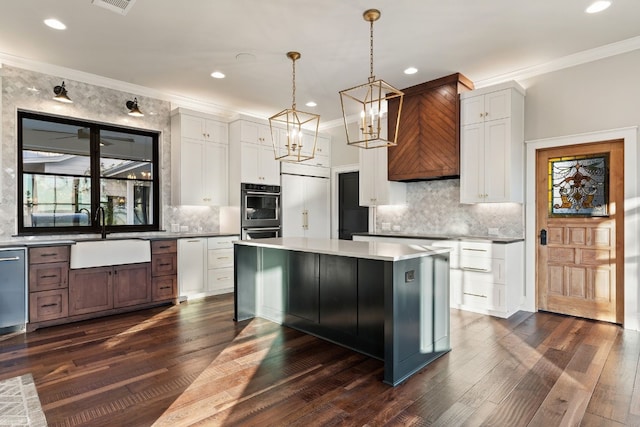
x=56 y=201
x=127 y=201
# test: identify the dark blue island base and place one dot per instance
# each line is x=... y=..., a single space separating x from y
x=395 y=310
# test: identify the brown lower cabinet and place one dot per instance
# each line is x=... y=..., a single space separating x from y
x=59 y=295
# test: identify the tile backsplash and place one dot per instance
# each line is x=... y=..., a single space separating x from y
x=434 y=208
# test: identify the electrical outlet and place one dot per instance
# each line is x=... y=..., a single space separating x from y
x=396 y=228
x=493 y=231
x=386 y=226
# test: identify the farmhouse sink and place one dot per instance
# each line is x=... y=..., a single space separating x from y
x=100 y=253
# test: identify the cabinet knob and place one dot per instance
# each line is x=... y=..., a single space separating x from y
x=481 y=115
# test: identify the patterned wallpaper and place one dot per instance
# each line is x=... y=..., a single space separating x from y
x=32 y=91
x=434 y=208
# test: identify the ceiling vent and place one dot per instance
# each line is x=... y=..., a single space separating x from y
x=121 y=7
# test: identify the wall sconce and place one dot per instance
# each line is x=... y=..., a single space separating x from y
x=61 y=94
x=133 y=108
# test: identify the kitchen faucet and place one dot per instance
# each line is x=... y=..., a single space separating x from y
x=100 y=215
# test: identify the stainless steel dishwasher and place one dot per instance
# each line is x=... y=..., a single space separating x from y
x=13 y=288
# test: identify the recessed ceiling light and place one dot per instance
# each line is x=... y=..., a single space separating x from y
x=311 y=104
x=55 y=24
x=598 y=6
x=218 y=75
x=411 y=70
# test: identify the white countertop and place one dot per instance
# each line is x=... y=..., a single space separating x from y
x=349 y=248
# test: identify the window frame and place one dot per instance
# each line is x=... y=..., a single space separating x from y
x=94 y=158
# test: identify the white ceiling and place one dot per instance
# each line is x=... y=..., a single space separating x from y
x=172 y=46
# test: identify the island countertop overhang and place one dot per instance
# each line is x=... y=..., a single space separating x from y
x=357 y=249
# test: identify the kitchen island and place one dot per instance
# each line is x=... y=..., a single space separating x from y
x=389 y=301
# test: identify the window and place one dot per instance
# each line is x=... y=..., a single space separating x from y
x=69 y=168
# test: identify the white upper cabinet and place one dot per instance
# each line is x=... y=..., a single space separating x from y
x=375 y=188
x=199 y=159
x=252 y=158
x=492 y=144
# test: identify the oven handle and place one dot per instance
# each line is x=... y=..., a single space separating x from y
x=262 y=229
x=259 y=193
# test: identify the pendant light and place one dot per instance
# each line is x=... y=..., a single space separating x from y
x=370 y=105
x=290 y=143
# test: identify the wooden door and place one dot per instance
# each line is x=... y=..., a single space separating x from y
x=580 y=268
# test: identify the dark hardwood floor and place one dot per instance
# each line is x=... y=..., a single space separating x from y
x=192 y=365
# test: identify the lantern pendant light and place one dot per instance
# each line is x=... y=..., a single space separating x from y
x=290 y=143
x=371 y=105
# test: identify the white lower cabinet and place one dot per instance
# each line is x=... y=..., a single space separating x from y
x=191 y=267
x=205 y=266
x=485 y=277
x=220 y=264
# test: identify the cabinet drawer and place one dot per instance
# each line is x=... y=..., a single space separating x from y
x=220 y=278
x=483 y=270
x=220 y=258
x=164 y=246
x=164 y=264
x=44 y=277
x=164 y=288
x=484 y=296
x=48 y=254
x=221 y=242
x=48 y=305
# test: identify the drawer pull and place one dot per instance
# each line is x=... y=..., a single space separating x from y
x=223 y=278
x=475 y=295
x=475 y=250
x=484 y=270
x=47 y=255
x=15 y=258
x=163 y=264
x=48 y=305
x=49 y=276
x=164 y=247
x=165 y=287
x=224 y=257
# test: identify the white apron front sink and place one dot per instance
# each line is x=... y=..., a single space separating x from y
x=100 y=253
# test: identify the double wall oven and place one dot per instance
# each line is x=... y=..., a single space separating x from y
x=260 y=211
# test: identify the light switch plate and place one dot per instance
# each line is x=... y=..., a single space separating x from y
x=493 y=231
x=386 y=226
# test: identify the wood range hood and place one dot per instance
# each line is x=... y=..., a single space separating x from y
x=429 y=136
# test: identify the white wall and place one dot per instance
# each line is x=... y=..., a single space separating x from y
x=590 y=102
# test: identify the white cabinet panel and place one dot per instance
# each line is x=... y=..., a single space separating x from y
x=492 y=145
x=191 y=267
x=375 y=188
x=199 y=160
x=251 y=157
x=305 y=206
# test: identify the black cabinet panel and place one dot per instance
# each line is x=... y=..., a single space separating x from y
x=303 y=292
x=339 y=293
x=371 y=282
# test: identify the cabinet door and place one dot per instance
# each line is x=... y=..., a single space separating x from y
x=497 y=105
x=292 y=205
x=131 y=284
x=215 y=180
x=304 y=294
x=192 y=127
x=472 y=110
x=43 y=277
x=472 y=164
x=268 y=166
x=339 y=293
x=215 y=131
x=368 y=166
x=249 y=155
x=316 y=193
x=191 y=266
x=496 y=160
x=192 y=157
x=90 y=290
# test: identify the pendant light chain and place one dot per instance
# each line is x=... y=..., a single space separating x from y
x=371 y=78
x=293 y=104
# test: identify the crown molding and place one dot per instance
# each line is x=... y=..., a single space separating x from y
x=568 y=61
